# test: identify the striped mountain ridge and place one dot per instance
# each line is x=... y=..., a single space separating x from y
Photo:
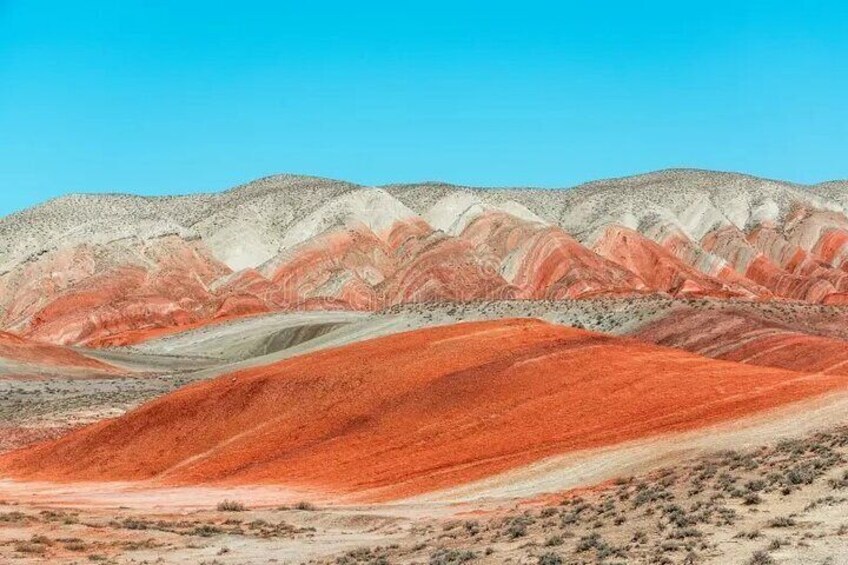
x=103 y=269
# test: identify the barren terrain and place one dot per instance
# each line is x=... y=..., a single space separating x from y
x=651 y=369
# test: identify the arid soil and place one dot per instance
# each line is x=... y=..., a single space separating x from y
x=651 y=369
x=417 y=411
x=783 y=502
x=404 y=437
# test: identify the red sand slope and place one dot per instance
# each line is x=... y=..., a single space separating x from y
x=22 y=350
x=415 y=411
x=739 y=337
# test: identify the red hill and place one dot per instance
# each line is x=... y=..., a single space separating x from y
x=416 y=411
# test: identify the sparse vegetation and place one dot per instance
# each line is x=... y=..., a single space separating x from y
x=550 y=558
x=782 y=522
x=230 y=506
x=451 y=556
x=761 y=558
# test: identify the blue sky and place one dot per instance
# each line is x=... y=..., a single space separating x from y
x=172 y=97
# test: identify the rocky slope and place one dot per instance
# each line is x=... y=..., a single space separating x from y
x=102 y=270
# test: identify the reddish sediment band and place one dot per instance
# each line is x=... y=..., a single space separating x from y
x=416 y=412
x=21 y=350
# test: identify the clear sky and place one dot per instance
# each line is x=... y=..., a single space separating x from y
x=170 y=97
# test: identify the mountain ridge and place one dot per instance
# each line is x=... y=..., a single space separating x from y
x=95 y=266
x=838 y=183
